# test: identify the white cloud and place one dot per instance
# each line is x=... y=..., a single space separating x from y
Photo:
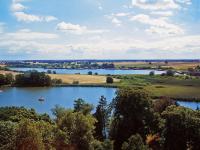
x=21 y=16
x=18 y=11
x=17 y=7
x=1 y=27
x=158 y=25
x=50 y=18
x=162 y=13
x=121 y=14
x=77 y=29
x=116 y=21
x=155 y=5
x=27 y=35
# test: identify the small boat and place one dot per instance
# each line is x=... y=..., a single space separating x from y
x=41 y=99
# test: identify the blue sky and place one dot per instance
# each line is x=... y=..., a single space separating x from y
x=99 y=29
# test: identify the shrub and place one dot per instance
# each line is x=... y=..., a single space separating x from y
x=152 y=73
x=170 y=73
x=109 y=80
x=90 y=73
x=75 y=82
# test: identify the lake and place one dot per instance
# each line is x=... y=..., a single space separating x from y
x=85 y=71
x=192 y=105
x=63 y=96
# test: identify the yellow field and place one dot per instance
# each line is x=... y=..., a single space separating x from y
x=6 y=72
x=82 y=79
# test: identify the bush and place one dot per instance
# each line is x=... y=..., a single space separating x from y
x=90 y=73
x=135 y=142
x=109 y=80
x=56 y=81
x=170 y=73
x=75 y=82
x=152 y=73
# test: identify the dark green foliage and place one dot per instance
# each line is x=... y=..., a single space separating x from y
x=81 y=106
x=33 y=78
x=49 y=71
x=7 y=135
x=108 y=66
x=75 y=129
x=133 y=114
x=182 y=128
x=28 y=136
x=16 y=114
x=105 y=145
x=90 y=73
x=102 y=116
x=6 y=79
x=152 y=73
x=170 y=73
x=109 y=80
x=135 y=142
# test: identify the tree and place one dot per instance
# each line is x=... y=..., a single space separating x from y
x=105 y=145
x=135 y=142
x=133 y=114
x=81 y=106
x=75 y=130
x=182 y=128
x=170 y=73
x=7 y=135
x=2 y=79
x=90 y=73
x=102 y=116
x=152 y=73
x=49 y=71
x=33 y=78
x=28 y=136
x=9 y=79
x=109 y=80
x=161 y=104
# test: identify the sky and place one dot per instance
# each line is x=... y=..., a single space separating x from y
x=99 y=29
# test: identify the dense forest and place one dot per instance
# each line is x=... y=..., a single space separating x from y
x=132 y=121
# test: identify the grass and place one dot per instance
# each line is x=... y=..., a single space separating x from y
x=174 y=87
x=82 y=79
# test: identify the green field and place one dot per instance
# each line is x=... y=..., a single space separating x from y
x=175 y=87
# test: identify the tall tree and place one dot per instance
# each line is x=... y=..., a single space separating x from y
x=133 y=114
x=102 y=115
x=182 y=128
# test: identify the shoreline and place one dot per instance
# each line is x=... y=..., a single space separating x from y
x=181 y=99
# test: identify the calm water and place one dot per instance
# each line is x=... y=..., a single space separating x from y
x=63 y=96
x=192 y=105
x=85 y=71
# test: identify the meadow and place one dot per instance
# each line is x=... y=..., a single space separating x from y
x=177 y=87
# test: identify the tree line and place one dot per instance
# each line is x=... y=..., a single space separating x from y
x=132 y=121
x=30 y=78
